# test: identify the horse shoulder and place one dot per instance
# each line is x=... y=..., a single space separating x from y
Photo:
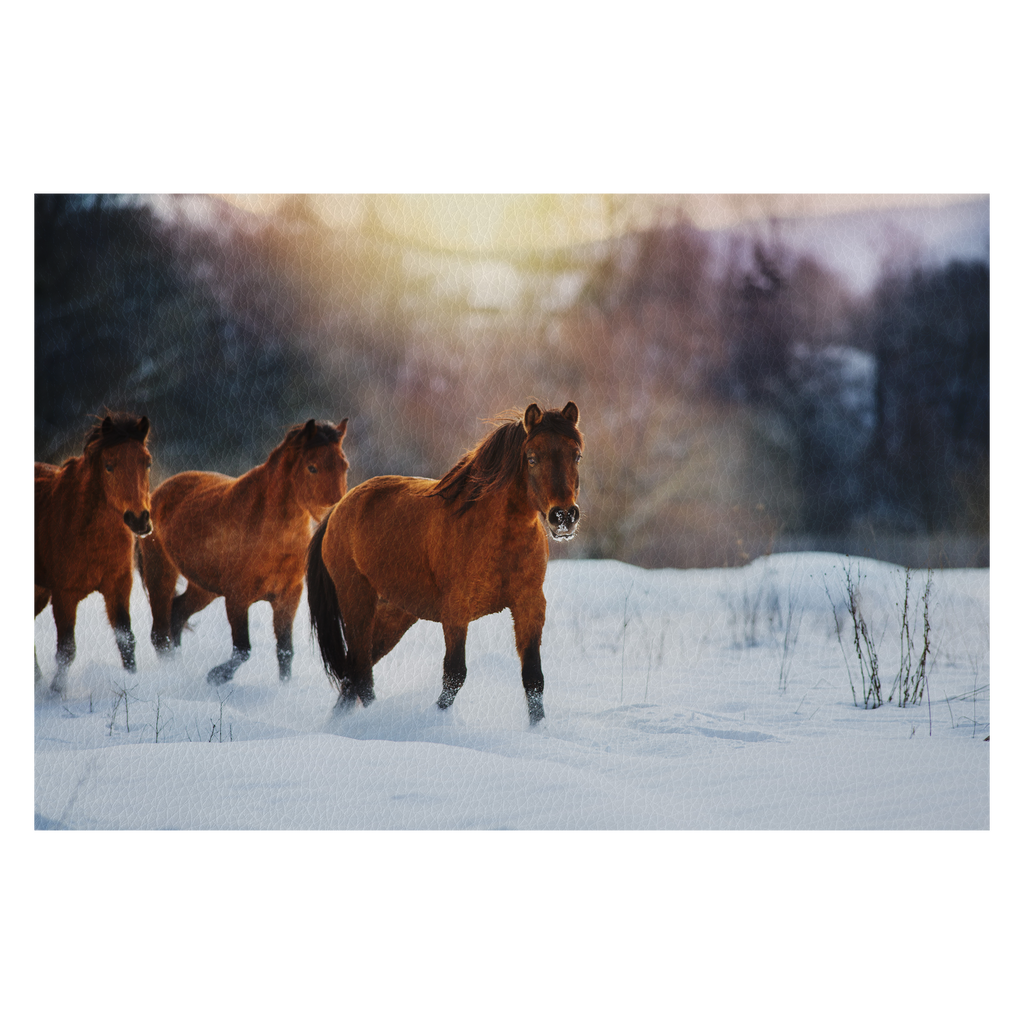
x=63 y=505
x=485 y=560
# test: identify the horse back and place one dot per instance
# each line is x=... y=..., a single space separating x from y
x=227 y=534
x=190 y=488
x=193 y=509
x=420 y=556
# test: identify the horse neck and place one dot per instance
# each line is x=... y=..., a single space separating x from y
x=274 y=479
x=81 y=478
x=512 y=501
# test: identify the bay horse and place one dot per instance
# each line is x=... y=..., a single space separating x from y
x=241 y=538
x=88 y=513
x=397 y=549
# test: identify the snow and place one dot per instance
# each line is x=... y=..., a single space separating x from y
x=676 y=700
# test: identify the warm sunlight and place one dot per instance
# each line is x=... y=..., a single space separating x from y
x=503 y=223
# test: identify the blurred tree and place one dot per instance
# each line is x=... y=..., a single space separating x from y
x=100 y=281
x=929 y=455
x=191 y=327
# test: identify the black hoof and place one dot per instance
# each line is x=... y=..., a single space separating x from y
x=220 y=674
x=344 y=706
x=162 y=645
x=536 y=708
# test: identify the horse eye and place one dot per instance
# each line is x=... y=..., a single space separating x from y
x=579 y=456
x=531 y=458
x=311 y=468
x=109 y=467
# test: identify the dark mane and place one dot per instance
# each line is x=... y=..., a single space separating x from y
x=323 y=434
x=495 y=462
x=115 y=428
x=326 y=434
x=492 y=464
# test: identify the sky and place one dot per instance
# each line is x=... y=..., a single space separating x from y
x=485 y=223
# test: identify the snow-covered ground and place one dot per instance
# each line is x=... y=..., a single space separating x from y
x=697 y=699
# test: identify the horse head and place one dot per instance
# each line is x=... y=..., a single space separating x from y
x=119 y=445
x=552 y=451
x=320 y=469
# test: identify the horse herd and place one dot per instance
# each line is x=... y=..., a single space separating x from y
x=386 y=553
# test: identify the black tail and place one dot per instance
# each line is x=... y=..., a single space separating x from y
x=324 y=613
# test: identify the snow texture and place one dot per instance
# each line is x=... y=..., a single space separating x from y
x=675 y=699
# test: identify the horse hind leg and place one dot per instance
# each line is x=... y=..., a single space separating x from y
x=184 y=606
x=285 y=608
x=225 y=672
x=390 y=624
x=358 y=603
x=348 y=697
x=342 y=606
x=238 y=617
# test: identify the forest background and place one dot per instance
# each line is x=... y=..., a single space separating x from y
x=797 y=383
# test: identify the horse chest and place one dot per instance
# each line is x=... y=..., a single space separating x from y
x=93 y=561
x=276 y=566
x=501 y=576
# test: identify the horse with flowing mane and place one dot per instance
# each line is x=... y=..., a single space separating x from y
x=243 y=538
x=396 y=549
x=88 y=513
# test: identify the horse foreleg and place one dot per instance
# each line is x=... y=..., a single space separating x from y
x=285 y=608
x=529 y=624
x=160 y=576
x=238 y=617
x=65 y=613
x=454 y=663
x=42 y=600
x=120 y=619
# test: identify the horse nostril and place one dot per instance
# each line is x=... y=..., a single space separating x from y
x=564 y=519
x=140 y=523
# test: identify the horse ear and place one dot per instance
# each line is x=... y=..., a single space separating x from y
x=107 y=425
x=144 y=427
x=531 y=417
x=341 y=427
x=309 y=430
x=572 y=413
